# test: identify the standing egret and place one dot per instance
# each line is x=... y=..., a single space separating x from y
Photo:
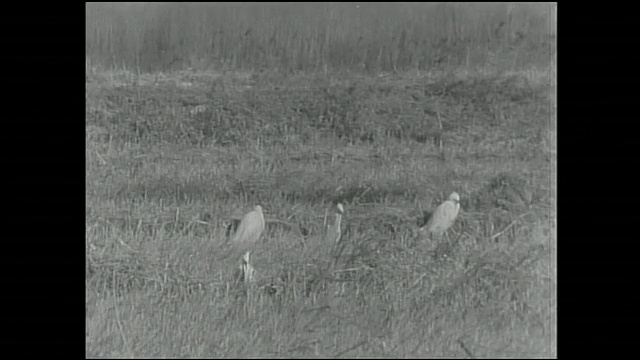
x=250 y=228
x=332 y=232
x=444 y=216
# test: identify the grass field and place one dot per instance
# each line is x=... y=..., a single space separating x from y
x=173 y=159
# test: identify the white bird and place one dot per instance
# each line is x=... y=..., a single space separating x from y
x=333 y=232
x=245 y=271
x=250 y=228
x=443 y=216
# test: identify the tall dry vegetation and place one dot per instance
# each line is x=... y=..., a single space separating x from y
x=316 y=36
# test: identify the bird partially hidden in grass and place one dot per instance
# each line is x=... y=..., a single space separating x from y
x=250 y=228
x=443 y=216
x=332 y=230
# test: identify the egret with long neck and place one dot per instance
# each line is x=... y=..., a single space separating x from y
x=333 y=231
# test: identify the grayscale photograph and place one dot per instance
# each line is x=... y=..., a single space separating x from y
x=321 y=180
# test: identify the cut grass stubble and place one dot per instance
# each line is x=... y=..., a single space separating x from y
x=159 y=271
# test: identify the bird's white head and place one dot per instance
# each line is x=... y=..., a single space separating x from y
x=454 y=197
x=339 y=208
x=258 y=208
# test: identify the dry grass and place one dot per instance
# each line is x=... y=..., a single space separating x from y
x=172 y=159
x=317 y=37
